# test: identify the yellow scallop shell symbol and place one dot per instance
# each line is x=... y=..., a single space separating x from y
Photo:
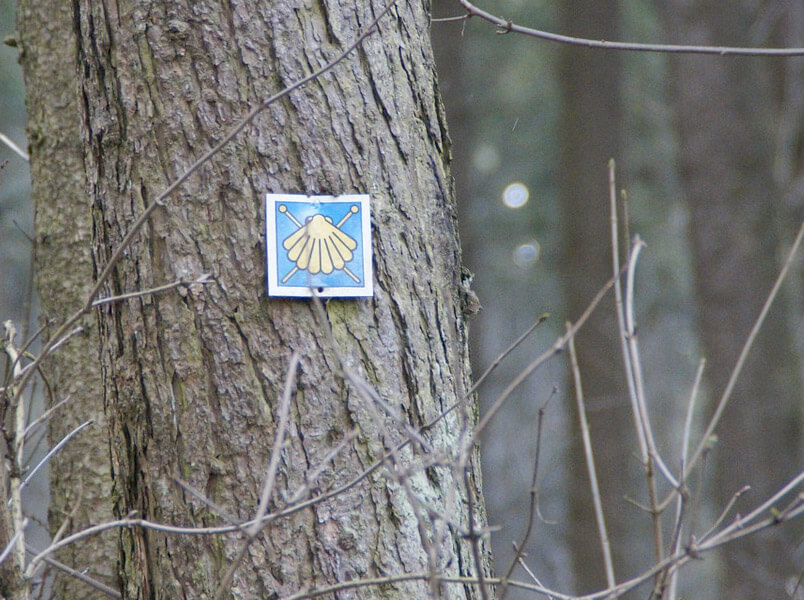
x=318 y=246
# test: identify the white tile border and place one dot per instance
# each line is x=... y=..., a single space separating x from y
x=276 y=254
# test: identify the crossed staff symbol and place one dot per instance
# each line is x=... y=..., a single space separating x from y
x=318 y=246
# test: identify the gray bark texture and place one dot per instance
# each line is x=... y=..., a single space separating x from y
x=192 y=378
x=81 y=483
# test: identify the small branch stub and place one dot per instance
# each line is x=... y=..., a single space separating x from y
x=318 y=245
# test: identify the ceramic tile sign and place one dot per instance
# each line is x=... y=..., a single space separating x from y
x=318 y=245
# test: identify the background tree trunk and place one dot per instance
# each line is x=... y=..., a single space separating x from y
x=725 y=111
x=192 y=379
x=80 y=484
x=592 y=119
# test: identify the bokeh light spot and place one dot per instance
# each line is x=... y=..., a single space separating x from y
x=515 y=195
x=525 y=255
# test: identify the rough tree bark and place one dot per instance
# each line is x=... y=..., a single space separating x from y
x=725 y=114
x=192 y=378
x=81 y=483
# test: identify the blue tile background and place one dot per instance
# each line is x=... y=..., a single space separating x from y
x=301 y=211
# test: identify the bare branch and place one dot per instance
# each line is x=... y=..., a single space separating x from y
x=54 y=450
x=206 y=501
x=45 y=415
x=94 y=583
x=202 y=280
x=726 y=510
x=737 y=530
x=519 y=549
x=749 y=342
x=258 y=523
x=14 y=147
x=556 y=348
x=508 y=26
x=590 y=466
x=491 y=368
x=685 y=441
x=12 y=542
x=279 y=441
x=682 y=488
x=16 y=450
x=474 y=536
x=311 y=476
x=532 y=575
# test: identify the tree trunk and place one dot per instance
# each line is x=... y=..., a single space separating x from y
x=591 y=129
x=192 y=378
x=725 y=111
x=80 y=480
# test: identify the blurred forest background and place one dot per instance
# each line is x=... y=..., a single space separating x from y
x=711 y=153
x=17 y=295
x=16 y=211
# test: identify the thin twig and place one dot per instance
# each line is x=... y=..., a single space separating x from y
x=624 y=308
x=54 y=450
x=279 y=441
x=510 y=349
x=735 y=531
x=10 y=143
x=508 y=26
x=749 y=343
x=636 y=363
x=725 y=512
x=270 y=477
x=738 y=527
x=202 y=280
x=358 y=583
x=45 y=415
x=206 y=501
x=311 y=476
x=683 y=488
x=474 y=536
x=489 y=370
x=668 y=579
x=449 y=19
x=643 y=420
x=619 y=305
x=371 y=396
x=685 y=441
x=13 y=542
x=556 y=348
x=590 y=466
x=530 y=572
x=74 y=573
x=519 y=549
